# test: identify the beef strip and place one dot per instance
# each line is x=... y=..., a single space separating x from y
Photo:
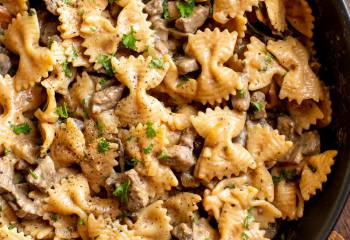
x=188 y=180
x=154 y=7
x=44 y=176
x=192 y=23
x=138 y=195
x=186 y=65
x=182 y=232
x=258 y=104
x=106 y=98
x=241 y=100
x=286 y=126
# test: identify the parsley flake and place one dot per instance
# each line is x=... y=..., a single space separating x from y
x=11 y=226
x=93 y=29
x=66 y=1
x=54 y=217
x=156 y=63
x=67 y=69
x=195 y=218
x=74 y=53
x=105 y=61
x=100 y=129
x=163 y=155
x=257 y=106
x=103 y=145
x=183 y=80
x=244 y=236
x=62 y=111
x=241 y=93
x=150 y=132
x=132 y=162
x=122 y=191
x=186 y=7
x=7 y=151
x=148 y=149
x=285 y=175
x=81 y=222
x=102 y=81
x=129 y=40
x=33 y=174
x=166 y=13
x=22 y=128
x=31 y=12
x=230 y=186
x=249 y=219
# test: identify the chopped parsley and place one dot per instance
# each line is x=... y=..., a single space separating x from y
x=244 y=236
x=195 y=218
x=268 y=59
x=102 y=81
x=241 y=93
x=62 y=111
x=132 y=162
x=105 y=61
x=67 y=69
x=85 y=111
x=122 y=191
x=100 y=129
x=81 y=222
x=93 y=29
x=285 y=175
x=54 y=217
x=183 y=80
x=249 y=219
x=163 y=155
x=31 y=12
x=207 y=238
x=150 y=132
x=22 y=128
x=129 y=40
x=11 y=226
x=50 y=42
x=74 y=53
x=186 y=7
x=66 y=1
x=312 y=168
x=103 y=145
x=166 y=13
x=111 y=1
x=33 y=174
x=156 y=63
x=81 y=12
x=257 y=106
x=230 y=186
x=7 y=151
x=148 y=149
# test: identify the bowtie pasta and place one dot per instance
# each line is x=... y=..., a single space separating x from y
x=158 y=119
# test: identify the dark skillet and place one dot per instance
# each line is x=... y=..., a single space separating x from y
x=332 y=41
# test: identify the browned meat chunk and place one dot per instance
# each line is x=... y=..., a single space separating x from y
x=154 y=7
x=241 y=100
x=107 y=98
x=286 y=127
x=186 y=65
x=180 y=157
x=189 y=181
x=44 y=176
x=138 y=196
x=193 y=22
x=182 y=232
x=5 y=64
x=258 y=104
x=5 y=17
x=52 y=5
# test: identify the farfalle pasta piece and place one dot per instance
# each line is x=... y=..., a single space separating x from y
x=181 y=207
x=139 y=77
x=75 y=52
x=70 y=20
x=22 y=38
x=305 y=114
x=212 y=49
x=260 y=65
x=97 y=166
x=8 y=233
x=153 y=223
x=220 y=157
x=38 y=229
x=68 y=146
x=262 y=180
x=231 y=225
x=132 y=20
x=300 y=82
x=223 y=9
x=64 y=226
x=59 y=78
x=326 y=107
x=299 y=15
x=47 y=121
x=315 y=173
x=8 y=215
x=23 y=144
x=259 y=137
x=15 y=6
x=100 y=36
x=288 y=200
x=203 y=230
x=237 y=24
x=277 y=14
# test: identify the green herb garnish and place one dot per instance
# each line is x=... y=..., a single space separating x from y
x=67 y=69
x=241 y=93
x=249 y=219
x=11 y=226
x=186 y=7
x=105 y=61
x=163 y=155
x=33 y=174
x=285 y=175
x=93 y=29
x=195 y=218
x=102 y=81
x=257 y=106
x=31 y=12
x=81 y=222
x=66 y=1
x=74 y=53
x=100 y=129
x=156 y=63
x=54 y=217
x=183 y=80
x=148 y=149
x=230 y=186
x=62 y=111
x=22 y=128
x=166 y=14
x=244 y=236
x=150 y=132
x=129 y=40
x=122 y=191
x=103 y=145
x=132 y=162
x=7 y=151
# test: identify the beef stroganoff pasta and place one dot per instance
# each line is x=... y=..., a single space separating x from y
x=158 y=119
